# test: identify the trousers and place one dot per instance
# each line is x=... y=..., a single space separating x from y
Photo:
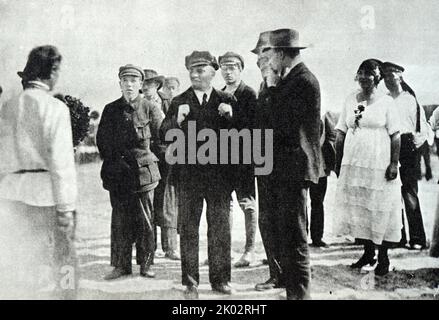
x=131 y=223
x=317 y=194
x=36 y=254
x=409 y=190
x=218 y=233
x=282 y=223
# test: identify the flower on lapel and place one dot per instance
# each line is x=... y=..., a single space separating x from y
x=358 y=115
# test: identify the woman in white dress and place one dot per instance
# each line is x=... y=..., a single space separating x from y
x=368 y=196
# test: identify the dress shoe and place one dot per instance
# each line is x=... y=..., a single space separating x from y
x=271 y=283
x=319 y=244
x=117 y=273
x=223 y=288
x=145 y=271
x=364 y=261
x=244 y=261
x=191 y=292
x=172 y=255
x=382 y=269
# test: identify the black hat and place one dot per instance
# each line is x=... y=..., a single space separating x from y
x=201 y=58
x=152 y=75
x=280 y=38
x=390 y=66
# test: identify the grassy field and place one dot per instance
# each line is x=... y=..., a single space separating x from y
x=415 y=275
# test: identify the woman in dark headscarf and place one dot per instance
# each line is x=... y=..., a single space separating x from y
x=414 y=132
x=368 y=199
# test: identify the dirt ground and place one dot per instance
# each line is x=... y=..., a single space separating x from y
x=415 y=275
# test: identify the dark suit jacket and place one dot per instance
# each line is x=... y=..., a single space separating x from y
x=292 y=110
x=328 y=136
x=166 y=101
x=123 y=139
x=246 y=100
x=204 y=117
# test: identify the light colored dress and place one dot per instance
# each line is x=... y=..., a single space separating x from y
x=367 y=205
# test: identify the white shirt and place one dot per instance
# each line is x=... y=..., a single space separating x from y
x=35 y=133
x=406 y=107
x=200 y=94
x=434 y=120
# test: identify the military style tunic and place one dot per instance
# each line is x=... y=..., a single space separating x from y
x=130 y=172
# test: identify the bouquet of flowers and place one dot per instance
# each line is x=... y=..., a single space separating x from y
x=79 y=117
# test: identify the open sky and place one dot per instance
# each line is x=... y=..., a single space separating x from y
x=95 y=37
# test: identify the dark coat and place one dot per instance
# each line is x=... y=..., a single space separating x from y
x=166 y=102
x=213 y=175
x=292 y=110
x=329 y=134
x=123 y=140
x=246 y=100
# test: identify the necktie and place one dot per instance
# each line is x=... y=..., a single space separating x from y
x=204 y=100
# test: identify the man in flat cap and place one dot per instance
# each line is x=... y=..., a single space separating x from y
x=414 y=133
x=289 y=104
x=130 y=172
x=207 y=108
x=164 y=214
x=231 y=65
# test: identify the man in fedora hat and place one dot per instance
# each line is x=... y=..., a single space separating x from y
x=164 y=214
x=38 y=186
x=289 y=104
x=231 y=65
x=130 y=172
x=150 y=88
x=213 y=109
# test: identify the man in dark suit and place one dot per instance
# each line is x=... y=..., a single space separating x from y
x=231 y=65
x=317 y=191
x=206 y=108
x=289 y=104
x=130 y=172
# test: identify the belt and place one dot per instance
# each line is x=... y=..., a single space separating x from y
x=29 y=170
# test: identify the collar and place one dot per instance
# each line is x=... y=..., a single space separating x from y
x=199 y=94
x=34 y=84
x=293 y=65
x=156 y=98
x=238 y=88
x=134 y=103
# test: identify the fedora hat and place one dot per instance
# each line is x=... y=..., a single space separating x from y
x=152 y=75
x=280 y=38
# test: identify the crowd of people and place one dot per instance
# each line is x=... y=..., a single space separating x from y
x=372 y=146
